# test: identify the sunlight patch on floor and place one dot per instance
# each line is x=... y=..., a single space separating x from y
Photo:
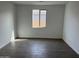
x=21 y=39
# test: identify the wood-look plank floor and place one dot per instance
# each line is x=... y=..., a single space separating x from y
x=37 y=48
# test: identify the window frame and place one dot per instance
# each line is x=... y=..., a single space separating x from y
x=39 y=18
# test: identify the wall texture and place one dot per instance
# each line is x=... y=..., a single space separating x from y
x=55 y=17
x=71 y=25
x=6 y=23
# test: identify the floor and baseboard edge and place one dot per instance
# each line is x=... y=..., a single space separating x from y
x=69 y=44
x=36 y=38
x=4 y=45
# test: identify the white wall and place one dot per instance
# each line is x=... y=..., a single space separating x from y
x=55 y=17
x=6 y=23
x=71 y=25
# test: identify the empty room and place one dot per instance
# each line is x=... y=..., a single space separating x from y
x=39 y=29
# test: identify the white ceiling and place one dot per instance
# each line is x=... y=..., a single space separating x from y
x=40 y=2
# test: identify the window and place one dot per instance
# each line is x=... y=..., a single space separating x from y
x=38 y=18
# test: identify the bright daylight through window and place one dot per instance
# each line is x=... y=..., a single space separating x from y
x=38 y=18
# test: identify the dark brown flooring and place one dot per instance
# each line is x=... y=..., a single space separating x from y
x=38 y=48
